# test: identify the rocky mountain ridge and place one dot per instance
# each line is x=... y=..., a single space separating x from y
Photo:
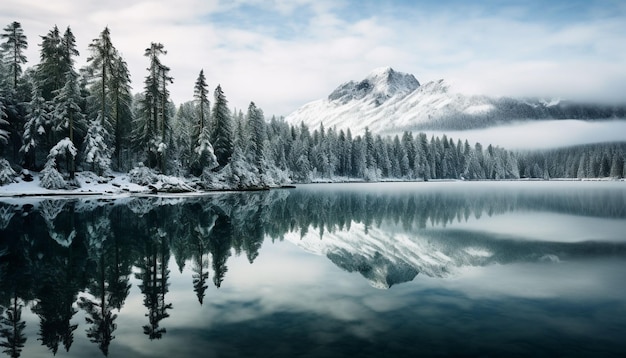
x=390 y=102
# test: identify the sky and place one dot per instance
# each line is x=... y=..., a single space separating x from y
x=282 y=54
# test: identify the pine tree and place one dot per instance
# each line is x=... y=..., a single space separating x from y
x=12 y=94
x=154 y=126
x=222 y=135
x=68 y=112
x=13 y=47
x=256 y=135
x=120 y=98
x=97 y=154
x=185 y=134
x=203 y=153
x=201 y=94
x=50 y=71
x=34 y=128
x=370 y=158
x=617 y=166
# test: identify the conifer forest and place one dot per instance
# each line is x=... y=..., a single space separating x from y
x=58 y=120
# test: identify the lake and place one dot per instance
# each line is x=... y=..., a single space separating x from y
x=328 y=270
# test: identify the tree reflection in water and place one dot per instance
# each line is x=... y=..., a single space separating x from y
x=59 y=255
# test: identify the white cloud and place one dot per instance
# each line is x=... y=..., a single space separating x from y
x=290 y=52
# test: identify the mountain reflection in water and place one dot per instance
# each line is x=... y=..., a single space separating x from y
x=69 y=263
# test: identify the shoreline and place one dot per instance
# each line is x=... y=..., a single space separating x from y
x=149 y=191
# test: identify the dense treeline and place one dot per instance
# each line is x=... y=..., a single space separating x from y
x=59 y=120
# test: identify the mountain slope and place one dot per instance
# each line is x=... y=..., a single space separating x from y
x=390 y=102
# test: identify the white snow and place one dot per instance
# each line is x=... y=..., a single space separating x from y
x=479 y=108
x=390 y=102
x=395 y=102
x=88 y=181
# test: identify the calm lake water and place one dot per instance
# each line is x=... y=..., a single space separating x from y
x=359 y=270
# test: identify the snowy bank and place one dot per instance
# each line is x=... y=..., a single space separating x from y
x=89 y=184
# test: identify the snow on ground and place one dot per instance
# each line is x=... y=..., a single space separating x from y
x=89 y=184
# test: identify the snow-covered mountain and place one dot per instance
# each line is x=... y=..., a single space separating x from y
x=387 y=101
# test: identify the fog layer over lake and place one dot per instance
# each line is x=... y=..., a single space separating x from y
x=542 y=134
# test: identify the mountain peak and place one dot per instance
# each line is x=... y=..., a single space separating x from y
x=381 y=72
x=379 y=85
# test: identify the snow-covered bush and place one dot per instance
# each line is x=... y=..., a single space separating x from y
x=7 y=174
x=50 y=176
x=142 y=175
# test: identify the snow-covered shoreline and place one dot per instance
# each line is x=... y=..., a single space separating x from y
x=89 y=185
x=119 y=185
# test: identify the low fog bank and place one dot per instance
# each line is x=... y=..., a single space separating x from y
x=543 y=134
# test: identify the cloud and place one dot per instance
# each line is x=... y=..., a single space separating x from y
x=282 y=54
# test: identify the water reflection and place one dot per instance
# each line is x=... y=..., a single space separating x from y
x=75 y=263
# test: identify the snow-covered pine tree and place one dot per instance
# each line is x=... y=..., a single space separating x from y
x=153 y=128
x=203 y=153
x=34 y=128
x=617 y=165
x=12 y=92
x=67 y=112
x=165 y=125
x=13 y=47
x=222 y=131
x=201 y=94
x=120 y=98
x=97 y=155
x=7 y=174
x=408 y=143
x=68 y=115
x=204 y=156
x=50 y=71
x=256 y=137
x=185 y=135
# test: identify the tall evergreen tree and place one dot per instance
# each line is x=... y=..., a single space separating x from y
x=154 y=125
x=50 y=75
x=256 y=136
x=120 y=98
x=67 y=115
x=99 y=138
x=68 y=112
x=201 y=94
x=34 y=128
x=68 y=51
x=222 y=135
x=13 y=47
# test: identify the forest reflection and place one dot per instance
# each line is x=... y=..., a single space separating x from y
x=61 y=256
